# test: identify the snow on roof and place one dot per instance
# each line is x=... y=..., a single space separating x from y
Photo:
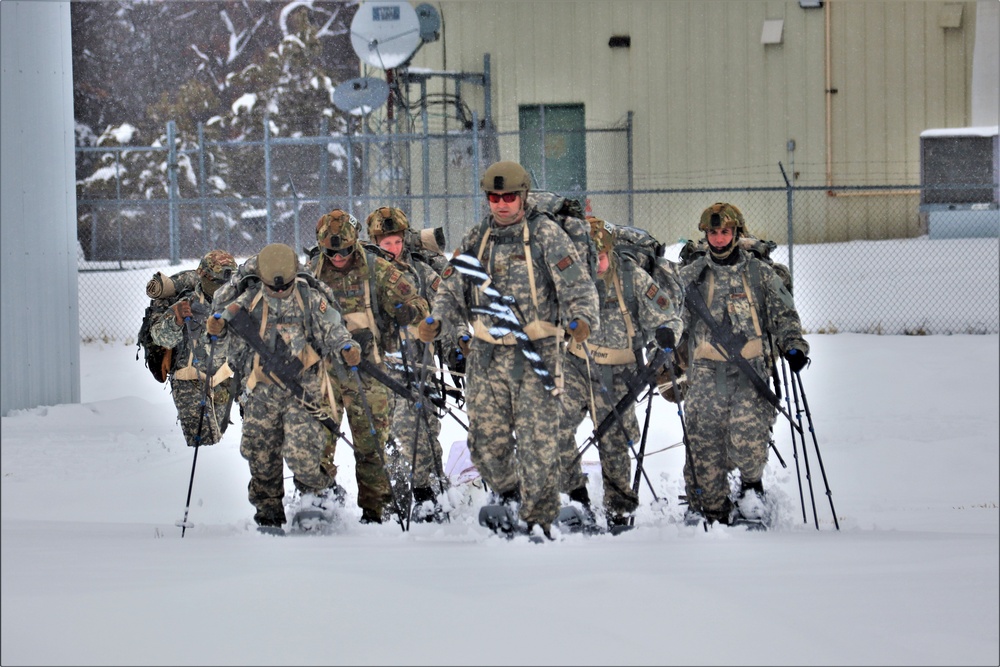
x=986 y=131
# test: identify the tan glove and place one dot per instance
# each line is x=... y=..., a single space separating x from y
x=351 y=355
x=579 y=330
x=182 y=310
x=214 y=325
x=428 y=329
x=464 y=344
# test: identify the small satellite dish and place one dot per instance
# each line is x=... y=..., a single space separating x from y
x=430 y=22
x=360 y=96
x=385 y=34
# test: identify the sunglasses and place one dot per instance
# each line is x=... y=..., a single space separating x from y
x=509 y=197
x=343 y=252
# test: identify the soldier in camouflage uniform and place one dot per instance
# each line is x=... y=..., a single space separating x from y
x=513 y=419
x=404 y=357
x=178 y=327
x=275 y=424
x=374 y=296
x=634 y=312
x=728 y=420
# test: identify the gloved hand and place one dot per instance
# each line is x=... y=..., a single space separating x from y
x=351 y=355
x=579 y=330
x=181 y=310
x=404 y=314
x=797 y=360
x=214 y=325
x=428 y=329
x=464 y=345
x=364 y=340
x=665 y=338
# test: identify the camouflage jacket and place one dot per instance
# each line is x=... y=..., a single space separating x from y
x=393 y=298
x=726 y=289
x=649 y=307
x=190 y=352
x=563 y=288
x=305 y=320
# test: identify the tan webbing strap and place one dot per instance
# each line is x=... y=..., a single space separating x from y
x=371 y=321
x=534 y=330
x=629 y=328
x=604 y=356
x=706 y=350
x=753 y=305
x=531 y=267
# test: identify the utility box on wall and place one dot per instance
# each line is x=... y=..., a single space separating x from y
x=959 y=171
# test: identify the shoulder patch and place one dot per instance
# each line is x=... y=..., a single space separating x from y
x=651 y=292
x=662 y=302
x=448 y=271
x=403 y=288
x=394 y=276
x=323 y=305
x=436 y=283
x=564 y=263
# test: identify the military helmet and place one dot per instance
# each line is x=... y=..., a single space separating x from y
x=721 y=214
x=386 y=220
x=506 y=176
x=603 y=234
x=217 y=265
x=277 y=265
x=337 y=230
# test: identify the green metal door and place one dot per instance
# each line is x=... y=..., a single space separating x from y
x=559 y=128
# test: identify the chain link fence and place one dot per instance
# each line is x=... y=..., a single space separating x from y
x=863 y=259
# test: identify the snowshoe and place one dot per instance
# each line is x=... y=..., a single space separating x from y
x=574 y=520
x=271 y=530
x=316 y=511
x=619 y=524
x=751 y=509
x=503 y=521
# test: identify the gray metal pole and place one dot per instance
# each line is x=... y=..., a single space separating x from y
x=426 y=161
x=201 y=188
x=172 y=185
x=267 y=172
x=631 y=170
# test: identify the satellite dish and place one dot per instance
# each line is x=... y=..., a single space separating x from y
x=360 y=96
x=430 y=22
x=385 y=34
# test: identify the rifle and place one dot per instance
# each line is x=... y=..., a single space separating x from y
x=731 y=345
x=283 y=368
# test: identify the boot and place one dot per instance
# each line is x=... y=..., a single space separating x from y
x=511 y=497
x=369 y=515
x=426 y=509
x=752 y=502
x=582 y=496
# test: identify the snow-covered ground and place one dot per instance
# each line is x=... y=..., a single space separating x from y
x=94 y=569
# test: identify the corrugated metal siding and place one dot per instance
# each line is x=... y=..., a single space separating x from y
x=39 y=319
x=712 y=105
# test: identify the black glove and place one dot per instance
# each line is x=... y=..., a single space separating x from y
x=797 y=360
x=665 y=338
x=365 y=339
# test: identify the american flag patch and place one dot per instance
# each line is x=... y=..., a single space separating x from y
x=564 y=263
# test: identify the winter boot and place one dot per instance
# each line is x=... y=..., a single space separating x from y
x=426 y=508
x=270 y=521
x=618 y=523
x=582 y=496
x=751 y=504
x=369 y=515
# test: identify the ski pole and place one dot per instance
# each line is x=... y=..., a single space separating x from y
x=642 y=451
x=805 y=453
x=201 y=420
x=687 y=444
x=795 y=449
x=829 y=493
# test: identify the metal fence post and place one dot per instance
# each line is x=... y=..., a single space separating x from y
x=477 y=196
x=201 y=188
x=173 y=194
x=790 y=216
x=426 y=158
x=267 y=172
x=629 y=168
x=324 y=160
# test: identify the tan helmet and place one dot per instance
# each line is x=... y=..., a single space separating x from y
x=277 y=265
x=603 y=234
x=336 y=230
x=721 y=214
x=386 y=220
x=217 y=265
x=506 y=176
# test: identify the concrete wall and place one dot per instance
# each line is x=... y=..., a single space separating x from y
x=39 y=319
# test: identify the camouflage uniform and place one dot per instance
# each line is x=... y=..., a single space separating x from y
x=649 y=308
x=191 y=358
x=513 y=420
x=275 y=425
x=728 y=421
x=393 y=298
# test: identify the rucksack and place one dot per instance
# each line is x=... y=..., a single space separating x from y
x=163 y=291
x=570 y=216
x=648 y=253
x=759 y=248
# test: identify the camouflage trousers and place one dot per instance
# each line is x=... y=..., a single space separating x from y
x=275 y=428
x=374 y=490
x=728 y=426
x=187 y=395
x=613 y=449
x=513 y=428
x=409 y=423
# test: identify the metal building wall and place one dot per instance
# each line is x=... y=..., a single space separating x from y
x=39 y=319
x=712 y=104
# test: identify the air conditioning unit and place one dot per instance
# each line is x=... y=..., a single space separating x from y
x=959 y=174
